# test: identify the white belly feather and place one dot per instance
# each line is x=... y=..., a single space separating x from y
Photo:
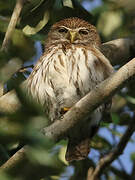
x=62 y=77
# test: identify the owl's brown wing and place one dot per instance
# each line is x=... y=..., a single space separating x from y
x=108 y=71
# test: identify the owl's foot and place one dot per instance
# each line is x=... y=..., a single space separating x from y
x=64 y=110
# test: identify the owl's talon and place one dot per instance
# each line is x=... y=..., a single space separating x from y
x=64 y=110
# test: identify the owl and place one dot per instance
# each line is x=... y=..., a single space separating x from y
x=71 y=66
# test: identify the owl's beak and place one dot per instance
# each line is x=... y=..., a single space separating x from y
x=72 y=36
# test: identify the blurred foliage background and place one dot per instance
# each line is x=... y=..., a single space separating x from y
x=114 y=19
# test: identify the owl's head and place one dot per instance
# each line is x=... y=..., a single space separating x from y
x=75 y=31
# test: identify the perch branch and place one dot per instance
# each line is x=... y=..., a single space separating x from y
x=92 y=100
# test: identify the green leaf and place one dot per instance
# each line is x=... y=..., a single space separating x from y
x=28 y=30
x=130 y=99
x=5 y=176
x=105 y=20
x=99 y=142
x=132 y=156
x=42 y=156
x=68 y=3
x=37 y=4
x=7 y=5
x=22 y=46
x=115 y=118
x=3 y=23
x=104 y=124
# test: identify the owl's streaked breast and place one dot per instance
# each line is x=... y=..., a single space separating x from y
x=63 y=76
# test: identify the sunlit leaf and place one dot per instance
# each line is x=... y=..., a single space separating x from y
x=38 y=3
x=118 y=103
x=68 y=3
x=62 y=153
x=130 y=99
x=55 y=177
x=22 y=45
x=33 y=30
x=109 y=21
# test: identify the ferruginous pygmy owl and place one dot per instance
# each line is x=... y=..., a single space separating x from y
x=71 y=66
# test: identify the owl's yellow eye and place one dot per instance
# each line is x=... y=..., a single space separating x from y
x=83 y=31
x=63 y=30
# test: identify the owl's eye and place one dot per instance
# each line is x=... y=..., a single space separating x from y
x=63 y=30
x=83 y=31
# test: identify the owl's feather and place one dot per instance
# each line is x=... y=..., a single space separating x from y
x=78 y=150
x=65 y=73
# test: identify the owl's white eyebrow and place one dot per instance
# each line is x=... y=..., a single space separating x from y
x=65 y=27
x=76 y=29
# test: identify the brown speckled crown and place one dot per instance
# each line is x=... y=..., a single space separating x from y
x=92 y=39
x=73 y=23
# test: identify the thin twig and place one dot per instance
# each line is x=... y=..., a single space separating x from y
x=12 y=24
x=24 y=69
x=108 y=159
x=120 y=173
x=114 y=143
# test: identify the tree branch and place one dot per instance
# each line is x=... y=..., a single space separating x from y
x=119 y=51
x=92 y=100
x=12 y=24
x=105 y=161
x=120 y=173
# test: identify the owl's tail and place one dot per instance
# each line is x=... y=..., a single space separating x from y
x=77 y=151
